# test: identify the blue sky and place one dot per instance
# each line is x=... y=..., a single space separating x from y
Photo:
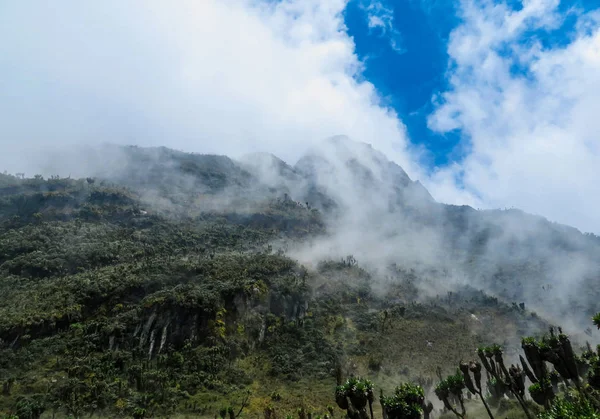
x=489 y=103
x=409 y=78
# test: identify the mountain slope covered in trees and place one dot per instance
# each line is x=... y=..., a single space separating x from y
x=167 y=282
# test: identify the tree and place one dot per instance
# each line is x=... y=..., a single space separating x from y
x=474 y=384
x=353 y=396
x=596 y=320
x=512 y=379
x=407 y=402
x=30 y=407
x=450 y=389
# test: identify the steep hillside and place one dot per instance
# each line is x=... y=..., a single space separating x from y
x=180 y=282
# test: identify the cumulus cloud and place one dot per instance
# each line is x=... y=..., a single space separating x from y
x=239 y=76
x=209 y=76
x=528 y=111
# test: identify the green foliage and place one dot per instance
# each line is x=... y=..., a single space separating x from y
x=296 y=352
x=451 y=385
x=359 y=391
x=541 y=391
x=596 y=320
x=490 y=351
x=106 y=308
x=30 y=407
x=451 y=389
x=120 y=305
x=406 y=403
x=578 y=408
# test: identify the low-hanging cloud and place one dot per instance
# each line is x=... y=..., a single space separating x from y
x=227 y=77
x=233 y=77
x=237 y=76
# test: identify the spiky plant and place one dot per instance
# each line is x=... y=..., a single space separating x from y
x=354 y=395
x=452 y=388
x=541 y=392
x=554 y=380
x=574 y=407
x=407 y=402
x=474 y=383
x=555 y=349
x=596 y=320
x=492 y=360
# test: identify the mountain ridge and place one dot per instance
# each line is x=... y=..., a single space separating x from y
x=365 y=198
x=190 y=279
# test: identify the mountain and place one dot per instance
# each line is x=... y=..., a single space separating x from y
x=161 y=281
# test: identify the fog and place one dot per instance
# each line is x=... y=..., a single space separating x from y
x=381 y=217
x=374 y=212
x=233 y=78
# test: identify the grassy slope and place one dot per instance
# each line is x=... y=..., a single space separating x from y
x=92 y=281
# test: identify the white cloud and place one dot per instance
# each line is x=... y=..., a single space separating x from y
x=236 y=76
x=534 y=134
x=381 y=17
x=209 y=76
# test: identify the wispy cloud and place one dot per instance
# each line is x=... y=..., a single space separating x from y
x=381 y=17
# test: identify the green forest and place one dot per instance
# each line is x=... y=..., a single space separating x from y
x=112 y=306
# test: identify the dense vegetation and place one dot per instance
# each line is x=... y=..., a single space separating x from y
x=570 y=390
x=118 y=300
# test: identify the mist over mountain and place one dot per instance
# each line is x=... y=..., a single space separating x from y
x=185 y=234
x=192 y=279
x=375 y=212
